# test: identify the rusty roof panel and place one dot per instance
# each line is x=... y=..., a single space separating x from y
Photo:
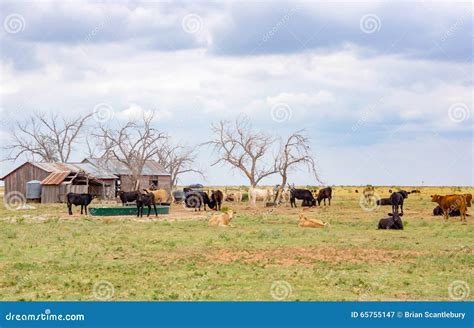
x=55 y=178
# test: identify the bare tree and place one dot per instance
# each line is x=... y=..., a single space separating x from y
x=243 y=148
x=49 y=137
x=132 y=144
x=178 y=160
x=295 y=153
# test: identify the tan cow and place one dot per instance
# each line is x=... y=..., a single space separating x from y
x=304 y=222
x=451 y=202
x=161 y=195
x=222 y=219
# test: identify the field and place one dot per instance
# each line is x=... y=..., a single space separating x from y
x=47 y=255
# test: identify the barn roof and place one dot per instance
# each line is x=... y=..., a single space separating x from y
x=113 y=165
x=61 y=168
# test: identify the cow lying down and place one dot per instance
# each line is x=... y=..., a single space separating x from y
x=304 y=222
x=393 y=222
x=221 y=219
x=438 y=211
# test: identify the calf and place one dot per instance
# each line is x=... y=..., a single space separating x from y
x=304 y=222
x=393 y=222
x=451 y=202
x=384 y=201
x=438 y=211
x=397 y=199
x=145 y=200
x=323 y=194
x=304 y=194
x=128 y=196
x=78 y=199
x=217 y=197
x=221 y=220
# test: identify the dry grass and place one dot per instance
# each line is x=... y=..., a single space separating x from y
x=47 y=255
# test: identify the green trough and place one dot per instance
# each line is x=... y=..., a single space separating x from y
x=126 y=210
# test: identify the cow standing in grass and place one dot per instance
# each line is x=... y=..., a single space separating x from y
x=450 y=203
x=323 y=194
x=145 y=200
x=78 y=199
x=397 y=199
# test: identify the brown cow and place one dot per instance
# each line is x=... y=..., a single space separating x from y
x=451 y=202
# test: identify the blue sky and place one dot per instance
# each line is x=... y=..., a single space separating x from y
x=383 y=89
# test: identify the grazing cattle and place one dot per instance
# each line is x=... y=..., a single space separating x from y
x=390 y=191
x=303 y=194
x=415 y=191
x=160 y=195
x=384 y=201
x=222 y=219
x=304 y=222
x=323 y=194
x=78 y=199
x=356 y=191
x=438 y=211
x=397 y=199
x=196 y=199
x=259 y=194
x=147 y=200
x=217 y=197
x=451 y=202
x=393 y=222
x=128 y=196
x=369 y=192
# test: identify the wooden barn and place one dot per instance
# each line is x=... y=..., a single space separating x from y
x=153 y=174
x=95 y=176
x=58 y=179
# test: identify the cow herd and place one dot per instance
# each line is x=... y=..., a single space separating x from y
x=197 y=198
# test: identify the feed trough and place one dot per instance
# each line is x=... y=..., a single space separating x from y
x=126 y=210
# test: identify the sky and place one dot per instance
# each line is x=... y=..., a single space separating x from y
x=384 y=90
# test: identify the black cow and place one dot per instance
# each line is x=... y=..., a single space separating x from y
x=143 y=200
x=438 y=211
x=323 y=194
x=415 y=191
x=393 y=222
x=195 y=199
x=396 y=199
x=128 y=196
x=78 y=199
x=217 y=197
x=384 y=201
x=304 y=194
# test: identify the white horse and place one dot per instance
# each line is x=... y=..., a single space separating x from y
x=259 y=194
